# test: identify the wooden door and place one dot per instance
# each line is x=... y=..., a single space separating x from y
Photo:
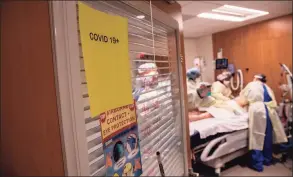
x=30 y=134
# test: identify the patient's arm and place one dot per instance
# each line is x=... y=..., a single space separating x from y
x=195 y=117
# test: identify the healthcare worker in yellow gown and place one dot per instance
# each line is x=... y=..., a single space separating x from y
x=265 y=127
x=195 y=100
x=221 y=89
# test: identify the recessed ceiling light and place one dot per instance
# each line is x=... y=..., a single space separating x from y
x=232 y=13
x=242 y=9
x=140 y=16
x=220 y=17
x=225 y=12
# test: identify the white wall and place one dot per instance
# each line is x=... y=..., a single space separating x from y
x=202 y=46
x=190 y=52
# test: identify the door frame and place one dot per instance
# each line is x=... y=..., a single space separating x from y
x=68 y=80
x=67 y=73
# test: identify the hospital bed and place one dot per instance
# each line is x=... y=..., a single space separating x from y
x=215 y=142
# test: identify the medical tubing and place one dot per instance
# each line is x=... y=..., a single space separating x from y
x=289 y=83
x=241 y=79
x=237 y=82
x=287 y=69
x=289 y=76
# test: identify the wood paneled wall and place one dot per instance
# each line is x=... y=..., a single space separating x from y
x=30 y=134
x=259 y=47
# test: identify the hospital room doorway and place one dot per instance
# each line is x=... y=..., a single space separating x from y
x=239 y=54
x=127 y=87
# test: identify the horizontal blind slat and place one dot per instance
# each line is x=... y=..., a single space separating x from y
x=93 y=136
x=100 y=172
x=95 y=148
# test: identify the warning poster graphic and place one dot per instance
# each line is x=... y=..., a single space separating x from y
x=120 y=141
x=104 y=40
x=121 y=147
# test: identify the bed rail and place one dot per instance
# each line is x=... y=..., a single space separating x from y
x=225 y=145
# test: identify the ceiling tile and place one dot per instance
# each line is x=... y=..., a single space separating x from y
x=187 y=17
x=195 y=27
x=197 y=7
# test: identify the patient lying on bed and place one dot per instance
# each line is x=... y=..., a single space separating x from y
x=228 y=108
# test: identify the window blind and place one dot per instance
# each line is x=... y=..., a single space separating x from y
x=158 y=108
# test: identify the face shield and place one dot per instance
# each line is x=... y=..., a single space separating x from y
x=260 y=77
x=204 y=90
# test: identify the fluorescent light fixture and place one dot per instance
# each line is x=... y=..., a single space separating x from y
x=215 y=16
x=225 y=12
x=140 y=16
x=232 y=13
x=242 y=9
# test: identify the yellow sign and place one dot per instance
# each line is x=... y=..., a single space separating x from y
x=104 y=40
x=117 y=120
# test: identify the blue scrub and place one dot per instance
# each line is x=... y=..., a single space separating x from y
x=264 y=157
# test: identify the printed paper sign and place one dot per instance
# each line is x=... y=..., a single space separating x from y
x=116 y=120
x=104 y=40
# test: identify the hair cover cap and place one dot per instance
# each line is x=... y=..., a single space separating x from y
x=193 y=73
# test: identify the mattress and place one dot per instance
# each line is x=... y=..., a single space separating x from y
x=203 y=131
x=213 y=126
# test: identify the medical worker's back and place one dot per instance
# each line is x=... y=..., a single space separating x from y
x=253 y=92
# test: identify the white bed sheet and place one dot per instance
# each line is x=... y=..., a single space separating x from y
x=212 y=126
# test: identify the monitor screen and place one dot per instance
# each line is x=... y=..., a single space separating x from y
x=222 y=63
